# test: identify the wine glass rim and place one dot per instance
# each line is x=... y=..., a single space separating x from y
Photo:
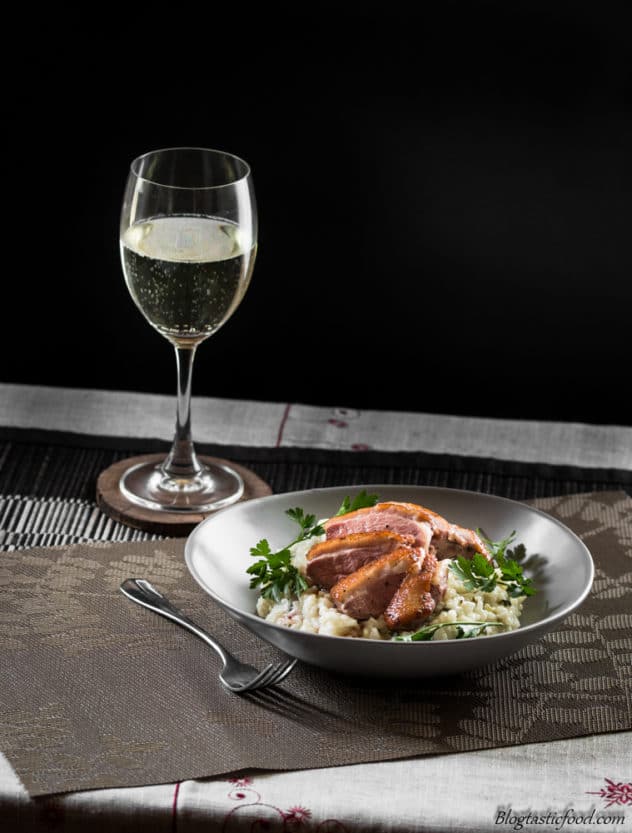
x=135 y=164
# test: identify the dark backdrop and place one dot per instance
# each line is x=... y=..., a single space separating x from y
x=444 y=204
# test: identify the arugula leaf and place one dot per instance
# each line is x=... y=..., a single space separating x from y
x=464 y=630
x=468 y=630
x=360 y=501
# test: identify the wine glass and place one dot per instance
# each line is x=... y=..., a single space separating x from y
x=188 y=245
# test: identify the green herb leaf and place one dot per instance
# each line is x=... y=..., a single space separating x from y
x=475 y=574
x=274 y=572
x=481 y=566
x=262 y=548
x=497 y=548
x=464 y=630
x=309 y=526
x=468 y=630
x=512 y=577
x=360 y=501
x=303 y=520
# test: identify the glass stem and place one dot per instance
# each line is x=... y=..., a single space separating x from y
x=182 y=462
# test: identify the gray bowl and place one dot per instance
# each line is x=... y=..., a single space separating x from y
x=217 y=555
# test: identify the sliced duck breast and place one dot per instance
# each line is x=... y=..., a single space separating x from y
x=448 y=539
x=417 y=596
x=401 y=518
x=367 y=591
x=458 y=540
x=330 y=560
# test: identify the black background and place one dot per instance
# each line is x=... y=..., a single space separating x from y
x=444 y=203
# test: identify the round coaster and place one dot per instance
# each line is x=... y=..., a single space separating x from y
x=113 y=503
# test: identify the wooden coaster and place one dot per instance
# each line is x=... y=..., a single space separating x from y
x=174 y=524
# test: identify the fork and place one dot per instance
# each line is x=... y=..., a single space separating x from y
x=235 y=675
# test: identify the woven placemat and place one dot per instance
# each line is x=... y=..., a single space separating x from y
x=96 y=692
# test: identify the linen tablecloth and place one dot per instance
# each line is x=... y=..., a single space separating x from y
x=497 y=789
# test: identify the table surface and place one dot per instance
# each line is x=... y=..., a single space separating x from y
x=467 y=791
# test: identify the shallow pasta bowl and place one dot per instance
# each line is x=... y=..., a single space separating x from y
x=217 y=555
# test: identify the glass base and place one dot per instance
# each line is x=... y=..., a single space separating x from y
x=146 y=484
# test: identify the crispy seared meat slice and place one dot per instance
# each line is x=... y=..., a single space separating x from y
x=367 y=591
x=448 y=539
x=401 y=518
x=417 y=596
x=331 y=560
x=458 y=540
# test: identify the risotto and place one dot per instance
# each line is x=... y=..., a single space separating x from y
x=314 y=611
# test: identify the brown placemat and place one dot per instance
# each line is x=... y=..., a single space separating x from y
x=97 y=692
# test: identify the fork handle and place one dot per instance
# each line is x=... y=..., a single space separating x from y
x=141 y=591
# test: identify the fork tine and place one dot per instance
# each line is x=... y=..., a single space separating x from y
x=284 y=670
x=255 y=681
x=271 y=675
x=264 y=679
x=278 y=673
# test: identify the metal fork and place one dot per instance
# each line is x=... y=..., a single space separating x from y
x=235 y=675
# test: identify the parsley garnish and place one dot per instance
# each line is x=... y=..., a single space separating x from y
x=360 y=501
x=274 y=572
x=307 y=523
x=480 y=574
x=507 y=560
x=464 y=630
x=477 y=574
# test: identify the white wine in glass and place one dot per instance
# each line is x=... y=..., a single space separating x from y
x=188 y=245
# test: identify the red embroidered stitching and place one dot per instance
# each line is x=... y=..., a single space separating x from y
x=284 y=419
x=174 y=809
x=615 y=793
x=290 y=820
